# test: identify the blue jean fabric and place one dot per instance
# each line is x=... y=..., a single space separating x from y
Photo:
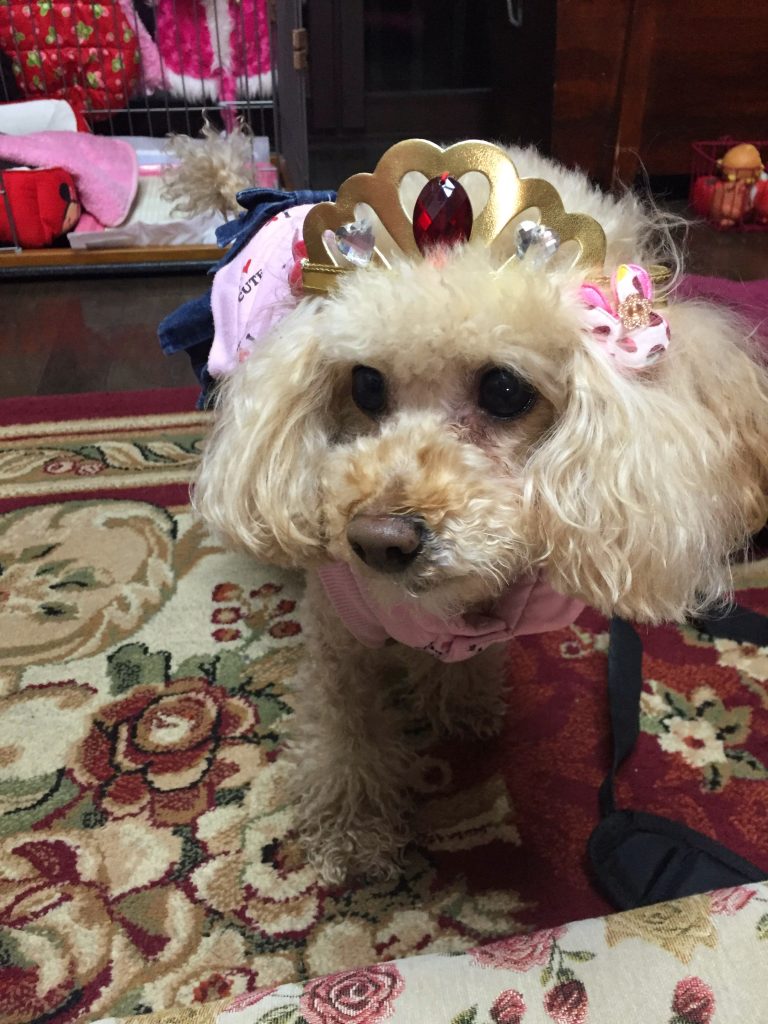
x=190 y=327
x=260 y=205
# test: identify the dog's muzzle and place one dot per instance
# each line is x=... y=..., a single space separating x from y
x=387 y=543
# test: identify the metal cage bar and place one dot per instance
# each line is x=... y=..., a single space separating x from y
x=212 y=67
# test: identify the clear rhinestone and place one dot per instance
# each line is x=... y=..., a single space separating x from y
x=356 y=242
x=536 y=243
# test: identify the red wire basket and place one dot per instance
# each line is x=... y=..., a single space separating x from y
x=728 y=205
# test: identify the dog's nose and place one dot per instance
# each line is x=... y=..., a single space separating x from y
x=386 y=543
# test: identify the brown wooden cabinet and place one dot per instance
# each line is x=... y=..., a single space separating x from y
x=608 y=85
x=640 y=80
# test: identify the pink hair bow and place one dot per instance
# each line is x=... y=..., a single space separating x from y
x=628 y=328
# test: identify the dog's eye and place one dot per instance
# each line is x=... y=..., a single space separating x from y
x=369 y=389
x=503 y=394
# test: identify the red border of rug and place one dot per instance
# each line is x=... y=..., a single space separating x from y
x=164 y=496
x=96 y=405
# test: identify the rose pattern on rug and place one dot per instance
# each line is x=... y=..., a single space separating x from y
x=155 y=813
x=147 y=856
x=167 y=748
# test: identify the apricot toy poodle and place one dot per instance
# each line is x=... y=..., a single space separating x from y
x=486 y=410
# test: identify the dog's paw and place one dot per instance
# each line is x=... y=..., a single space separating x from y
x=368 y=846
x=466 y=716
x=464 y=699
x=478 y=720
x=354 y=855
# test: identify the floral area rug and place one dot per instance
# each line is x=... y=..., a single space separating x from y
x=147 y=857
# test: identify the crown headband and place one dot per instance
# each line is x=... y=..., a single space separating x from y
x=509 y=195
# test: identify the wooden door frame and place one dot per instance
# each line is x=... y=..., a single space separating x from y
x=290 y=95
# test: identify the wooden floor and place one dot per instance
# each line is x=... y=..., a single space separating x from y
x=73 y=336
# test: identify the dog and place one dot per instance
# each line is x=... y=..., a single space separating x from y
x=447 y=449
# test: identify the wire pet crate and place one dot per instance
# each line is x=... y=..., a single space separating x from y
x=133 y=68
x=735 y=199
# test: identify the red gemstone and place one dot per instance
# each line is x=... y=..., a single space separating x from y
x=442 y=215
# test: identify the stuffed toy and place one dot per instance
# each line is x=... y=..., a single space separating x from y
x=760 y=202
x=216 y=50
x=94 y=55
x=741 y=163
x=733 y=195
x=44 y=206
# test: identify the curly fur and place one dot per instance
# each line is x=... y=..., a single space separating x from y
x=211 y=171
x=632 y=490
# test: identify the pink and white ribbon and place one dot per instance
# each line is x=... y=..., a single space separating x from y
x=625 y=325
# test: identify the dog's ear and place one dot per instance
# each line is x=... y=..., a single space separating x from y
x=650 y=481
x=258 y=480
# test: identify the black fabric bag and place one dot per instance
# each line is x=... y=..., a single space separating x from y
x=638 y=858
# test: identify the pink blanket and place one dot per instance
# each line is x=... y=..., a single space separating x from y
x=105 y=170
x=750 y=298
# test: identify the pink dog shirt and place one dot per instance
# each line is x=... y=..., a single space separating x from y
x=529 y=605
x=252 y=292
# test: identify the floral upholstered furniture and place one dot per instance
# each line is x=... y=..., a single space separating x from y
x=700 y=960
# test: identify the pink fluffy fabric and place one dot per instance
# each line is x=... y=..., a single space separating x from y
x=750 y=298
x=105 y=170
x=151 y=67
x=214 y=49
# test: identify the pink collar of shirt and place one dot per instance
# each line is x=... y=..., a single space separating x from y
x=529 y=605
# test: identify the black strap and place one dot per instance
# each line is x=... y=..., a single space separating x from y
x=625 y=683
x=732 y=622
x=640 y=858
x=625 y=677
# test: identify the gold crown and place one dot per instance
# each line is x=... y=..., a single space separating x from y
x=508 y=196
